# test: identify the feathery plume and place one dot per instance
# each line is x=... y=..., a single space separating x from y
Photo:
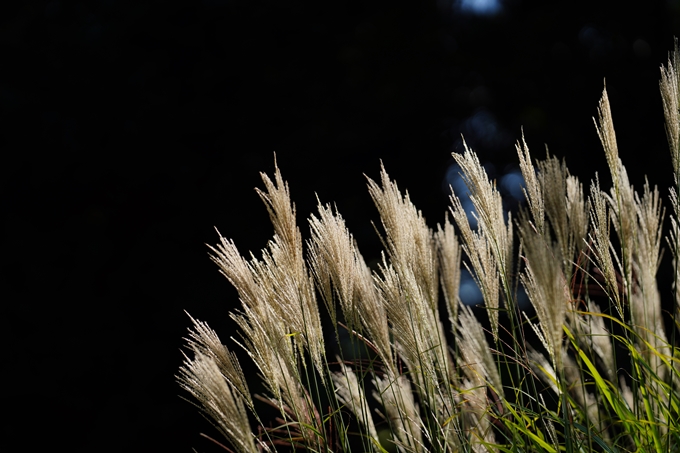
x=292 y=287
x=637 y=222
x=543 y=368
x=475 y=416
x=340 y=270
x=490 y=247
x=600 y=245
x=624 y=218
x=201 y=377
x=203 y=340
x=413 y=329
x=646 y=303
x=673 y=240
x=477 y=361
x=409 y=241
x=533 y=191
x=374 y=316
x=265 y=335
x=256 y=284
x=489 y=206
x=279 y=318
x=394 y=392
x=409 y=283
x=546 y=287
x=622 y=195
x=670 y=96
x=273 y=352
x=599 y=339
x=484 y=267
x=332 y=259
x=577 y=216
x=437 y=399
x=449 y=266
x=553 y=176
x=352 y=396
x=552 y=191
x=605 y=130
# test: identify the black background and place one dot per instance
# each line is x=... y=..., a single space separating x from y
x=130 y=129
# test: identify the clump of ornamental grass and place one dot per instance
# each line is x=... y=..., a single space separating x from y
x=603 y=375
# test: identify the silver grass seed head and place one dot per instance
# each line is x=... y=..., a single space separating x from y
x=553 y=178
x=373 y=313
x=669 y=86
x=409 y=285
x=350 y=394
x=673 y=240
x=546 y=287
x=622 y=194
x=478 y=248
x=605 y=130
x=237 y=270
x=341 y=273
x=646 y=299
x=266 y=343
x=533 y=191
x=489 y=206
x=276 y=198
x=201 y=377
x=623 y=214
x=543 y=368
x=285 y=275
x=332 y=258
x=650 y=214
x=415 y=329
x=410 y=243
x=475 y=416
x=449 y=255
x=577 y=212
x=478 y=362
x=599 y=339
x=203 y=340
x=395 y=394
x=600 y=244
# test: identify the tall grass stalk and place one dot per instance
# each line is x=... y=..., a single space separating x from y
x=602 y=376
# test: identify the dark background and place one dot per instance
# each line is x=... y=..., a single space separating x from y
x=129 y=129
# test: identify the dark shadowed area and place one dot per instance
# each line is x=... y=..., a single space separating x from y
x=129 y=130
